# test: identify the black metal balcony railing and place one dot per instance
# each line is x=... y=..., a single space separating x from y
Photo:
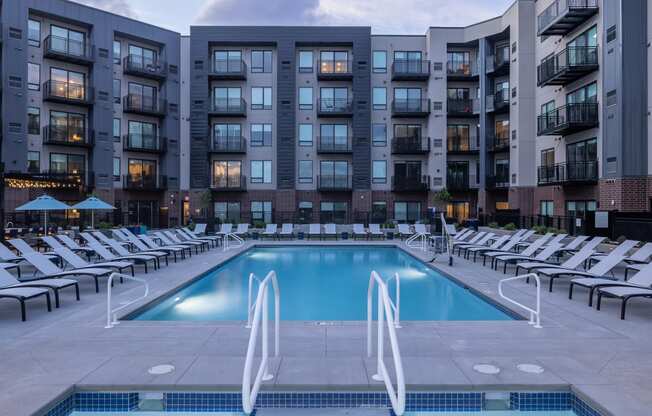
x=228 y=144
x=570 y=172
x=335 y=107
x=498 y=63
x=456 y=69
x=459 y=144
x=497 y=181
x=498 y=102
x=67 y=136
x=458 y=182
x=562 y=16
x=145 y=182
x=334 y=183
x=338 y=69
x=411 y=183
x=67 y=93
x=568 y=65
x=145 y=105
x=228 y=69
x=410 y=70
x=334 y=144
x=410 y=145
x=69 y=50
x=230 y=183
x=146 y=143
x=497 y=143
x=144 y=67
x=411 y=107
x=568 y=119
x=228 y=107
x=460 y=106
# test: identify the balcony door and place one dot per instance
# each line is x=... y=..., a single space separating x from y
x=334 y=173
x=502 y=171
x=227 y=136
x=458 y=174
x=142 y=96
x=67 y=127
x=407 y=171
x=333 y=62
x=459 y=63
x=67 y=41
x=582 y=160
x=142 y=135
x=333 y=99
x=67 y=164
x=458 y=137
x=582 y=50
x=334 y=136
x=227 y=98
x=142 y=173
x=67 y=84
x=407 y=61
x=227 y=173
x=407 y=99
x=142 y=57
x=227 y=61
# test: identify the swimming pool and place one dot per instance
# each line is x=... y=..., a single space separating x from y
x=323 y=283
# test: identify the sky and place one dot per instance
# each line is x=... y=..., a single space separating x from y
x=384 y=17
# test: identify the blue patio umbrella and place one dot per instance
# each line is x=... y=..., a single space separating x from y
x=44 y=203
x=93 y=203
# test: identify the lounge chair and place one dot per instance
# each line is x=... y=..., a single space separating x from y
x=574 y=246
x=225 y=229
x=624 y=294
x=635 y=262
x=480 y=239
x=180 y=238
x=330 y=230
x=172 y=249
x=404 y=231
x=527 y=253
x=270 y=231
x=78 y=263
x=599 y=270
x=74 y=246
x=375 y=231
x=104 y=253
x=287 y=230
x=242 y=230
x=359 y=231
x=468 y=238
x=200 y=229
x=542 y=256
x=501 y=241
x=642 y=279
x=121 y=251
x=571 y=263
x=421 y=229
x=21 y=294
x=140 y=246
x=8 y=281
x=215 y=240
x=314 y=230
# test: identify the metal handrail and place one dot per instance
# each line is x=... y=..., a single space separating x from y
x=111 y=320
x=239 y=241
x=421 y=244
x=249 y=391
x=535 y=314
x=251 y=306
x=385 y=311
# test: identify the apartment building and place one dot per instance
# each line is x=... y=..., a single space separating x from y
x=90 y=105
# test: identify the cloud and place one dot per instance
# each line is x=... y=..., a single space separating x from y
x=120 y=7
x=384 y=16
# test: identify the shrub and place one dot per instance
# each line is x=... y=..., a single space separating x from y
x=493 y=225
x=259 y=224
x=510 y=227
x=539 y=229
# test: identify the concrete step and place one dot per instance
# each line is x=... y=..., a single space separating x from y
x=322 y=412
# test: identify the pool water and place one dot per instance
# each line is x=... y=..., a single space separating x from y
x=323 y=283
x=339 y=412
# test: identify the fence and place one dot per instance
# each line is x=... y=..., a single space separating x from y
x=572 y=225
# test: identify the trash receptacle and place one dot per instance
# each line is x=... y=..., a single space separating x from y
x=473 y=223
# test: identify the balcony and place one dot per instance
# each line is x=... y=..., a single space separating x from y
x=567 y=66
x=64 y=49
x=144 y=143
x=563 y=16
x=411 y=108
x=227 y=107
x=335 y=107
x=334 y=145
x=139 y=66
x=335 y=70
x=410 y=183
x=410 y=145
x=460 y=107
x=67 y=136
x=229 y=183
x=462 y=145
x=67 y=93
x=145 y=182
x=410 y=70
x=570 y=173
x=498 y=64
x=462 y=71
x=55 y=179
x=457 y=183
x=228 y=144
x=497 y=182
x=144 y=105
x=568 y=119
x=497 y=144
x=228 y=70
x=498 y=102
x=334 y=183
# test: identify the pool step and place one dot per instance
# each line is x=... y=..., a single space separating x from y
x=322 y=412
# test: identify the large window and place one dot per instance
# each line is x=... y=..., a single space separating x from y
x=548 y=157
x=586 y=94
x=227 y=61
x=378 y=212
x=261 y=61
x=305 y=98
x=334 y=169
x=227 y=212
x=459 y=63
x=305 y=171
x=227 y=173
x=67 y=127
x=65 y=164
x=547 y=107
x=68 y=41
x=227 y=98
x=67 y=84
x=580 y=208
x=379 y=134
x=458 y=94
x=379 y=171
x=584 y=151
x=581 y=50
x=379 y=62
x=261 y=211
x=33 y=76
x=261 y=134
x=34 y=33
x=261 y=171
x=379 y=98
x=546 y=208
x=305 y=61
x=33 y=162
x=142 y=173
x=142 y=96
x=458 y=137
x=333 y=62
x=502 y=129
x=116 y=169
x=408 y=61
x=227 y=135
x=117 y=52
x=335 y=136
x=407 y=212
x=142 y=135
x=33 y=120
x=142 y=57
x=407 y=99
x=333 y=212
x=305 y=134
x=458 y=210
x=261 y=98
x=407 y=131
x=334 y=99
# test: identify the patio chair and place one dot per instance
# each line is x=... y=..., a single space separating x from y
x=359 y=231
x=543 y=255
x=120 y=250
x=641 y=280
x=106 y=254
x=640 y=257
x=287 y=230
x=571 y=263
x=73 y=245
x=21 y=294
x=78 y=263
x=330 y=230
x=181 y=238
x=528 y=252
x=8 y=281
x=574 y=246
x=270 y=231
x=225 y=228
x=242 y=230
x=404 y=231
x=138 y=244
x=421 y=229
x=484 y=241
x=375 y=231
x=172 y=249
x=501 y=241
x=214 y=239
x=200 y=229
x=624 y=292
x=314 y=230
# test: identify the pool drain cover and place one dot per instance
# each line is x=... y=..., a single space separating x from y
x=530 y=368
x=486 y=369
x=158 y=370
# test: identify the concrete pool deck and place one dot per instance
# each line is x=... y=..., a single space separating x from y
x=605 y=360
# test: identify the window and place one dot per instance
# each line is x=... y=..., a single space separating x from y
x=33 y=120
x=379 y=171
x=586 y=94
x=227 y=61
x=305 y=212
x=582 y=160
x=305 y=134
x=580 y=208
x=409 y=62
x=547 y=107
x=379 y=62
x=333 y=212
x=261 y=171
x=407 y=212
x=227 y=99
x=546 y=208
x=305 y=171
x=502 y=129
x=457 y=94
x=261 y=134
x=65 y=164
x=116 y=169
x=261 y=98
x=117 y=52
x=334 y=99
x=33 y=162
x=116 y=129
x=261 y=211
x=333 y=62
x=67 y=84
x=142 y=135
x=458 y=210
x=548 y=157
x=142 y=173
x=379 y=134
x=68 y=41
x=227 y=174
x=457 y=175
x=67 y=127
x=457 y=136
x=227 y=212
x=34 y=33
x=408 y=99
x=412 y=56
x=380 y=98
x=305 y=61
x=459 y=63
x=502 y=91
x=501 y=205
x=378 y=212
x=142 y=57
x=116 y=91
x=33 y=76
x=334 y=174
x=407 y=132
x=261 y=61
x=334 y=136
x=305 y=98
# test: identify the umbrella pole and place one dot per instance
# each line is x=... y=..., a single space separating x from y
x=93 y=219
x=45 y=221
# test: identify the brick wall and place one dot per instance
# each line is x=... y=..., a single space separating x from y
x=625 y=194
